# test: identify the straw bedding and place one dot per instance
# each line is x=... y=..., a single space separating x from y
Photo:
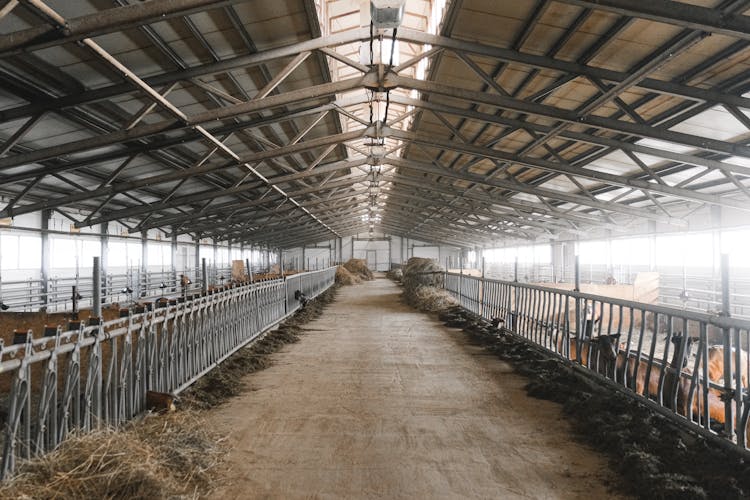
x=158 y=457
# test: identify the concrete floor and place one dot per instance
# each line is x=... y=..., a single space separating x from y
x=380 y=401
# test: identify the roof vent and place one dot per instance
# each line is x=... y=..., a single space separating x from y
x=386 y=14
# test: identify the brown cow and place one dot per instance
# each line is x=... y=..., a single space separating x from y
x=629 y=367
x=716 y=364
x=598 y=351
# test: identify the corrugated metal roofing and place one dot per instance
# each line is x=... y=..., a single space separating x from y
x=259 y=121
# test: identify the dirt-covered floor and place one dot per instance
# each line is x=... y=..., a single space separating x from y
x=381 y=401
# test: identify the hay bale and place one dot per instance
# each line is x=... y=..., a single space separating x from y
x=177 y=455
x=344 y=277
x=423 y=282
x=395 y=274
x=359 y=268
x=420 y=272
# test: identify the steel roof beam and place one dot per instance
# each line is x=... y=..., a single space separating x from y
x=566 y=168
x=536 y=191
x=574 y=136
x=213 y=194
x=523 y=206
x=141 y=131
x=675 y=13
x=564 y=115
x=102 y=22
x=203 y=222
x=168 y=221
x=222 y=66
x=446 y=220
x=572 y=68
x=122 y=187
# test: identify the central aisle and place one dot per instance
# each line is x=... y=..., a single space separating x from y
x=380 y=401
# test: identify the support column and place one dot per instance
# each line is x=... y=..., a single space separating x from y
x=97 y=295
x=197 y=259
x=304 y=260
x=216 y=253
x=174 y=260
x=143 y=279
x=204 y=281
x=45 y=264
x=104 y=252
x=716 y=269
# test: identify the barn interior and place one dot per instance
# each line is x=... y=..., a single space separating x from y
x=573 y=169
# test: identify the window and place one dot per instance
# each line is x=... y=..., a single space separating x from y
x=206 y=252
x=124 y=253
x=19 y=251
x=159 y=255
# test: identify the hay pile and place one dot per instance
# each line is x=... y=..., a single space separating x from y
x=395 y=274
x=358 y=267
x=158 y=457
x=344 y=277
x=422 y=272
x=431 y=299
x=423 y=281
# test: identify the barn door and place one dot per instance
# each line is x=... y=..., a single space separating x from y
x=372 y=260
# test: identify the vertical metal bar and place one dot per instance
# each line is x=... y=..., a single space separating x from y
x=727 y=341
x=45 y=264
x=577 y=289
x=97 y=282
x=204 y=277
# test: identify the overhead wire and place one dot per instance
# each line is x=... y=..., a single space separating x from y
x=390 y=66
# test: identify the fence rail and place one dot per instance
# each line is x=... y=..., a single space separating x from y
x=694 y=365
x=55 y=294
x=100 y=374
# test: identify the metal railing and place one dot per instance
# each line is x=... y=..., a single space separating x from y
x=100 y=374
x=30 y=295
x=691 y=366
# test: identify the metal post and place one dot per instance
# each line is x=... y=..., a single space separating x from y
x=515 y=270
x=74 y=298
x=97 y=296
x=725 y=300
x=104 y=252
x=577 y=288
x=281 y=262
x=460 y=277
x=481 y=290
x=197 y=263
x=142 y=282
x=249 y=270
x=727 y=342
x=204 y=283
x=305 y=262
x=174 y=259
x=45 y=276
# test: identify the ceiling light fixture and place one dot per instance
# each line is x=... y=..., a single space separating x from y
x=387 y=14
